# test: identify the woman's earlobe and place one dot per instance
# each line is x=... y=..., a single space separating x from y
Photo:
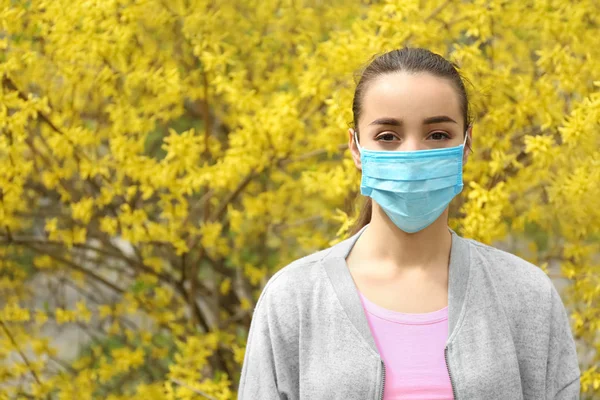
x=467 y=153
x=358 y=164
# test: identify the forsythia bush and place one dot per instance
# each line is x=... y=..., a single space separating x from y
x=159 y=160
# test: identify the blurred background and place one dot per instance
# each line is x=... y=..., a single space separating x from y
x=160 y=160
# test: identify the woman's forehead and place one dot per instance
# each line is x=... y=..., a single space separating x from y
x=410 y=97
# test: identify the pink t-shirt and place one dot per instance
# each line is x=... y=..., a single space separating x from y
x=412 y=348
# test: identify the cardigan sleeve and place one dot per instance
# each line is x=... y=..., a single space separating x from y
x=258 y=379
x=562 y=371
x=270 y=367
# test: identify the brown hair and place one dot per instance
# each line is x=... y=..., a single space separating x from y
x=413 y=60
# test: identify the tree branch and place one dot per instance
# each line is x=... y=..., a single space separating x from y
x=310 y=154
x=180 y=383
x=232 y=196
x=14 y=342
x=78 y=268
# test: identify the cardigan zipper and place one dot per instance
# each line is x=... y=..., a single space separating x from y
x=382 y=379
x=449 y=374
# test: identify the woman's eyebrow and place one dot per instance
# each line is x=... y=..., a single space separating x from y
x=387 y=121
x=437 y=119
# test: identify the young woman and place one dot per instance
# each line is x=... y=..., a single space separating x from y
x=405 y=308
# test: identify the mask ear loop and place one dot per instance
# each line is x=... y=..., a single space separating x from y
x=463 y=145
x=466 y=136
x=356 y=141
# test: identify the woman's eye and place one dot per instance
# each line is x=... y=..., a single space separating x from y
x=386 y=137
x=439 y=136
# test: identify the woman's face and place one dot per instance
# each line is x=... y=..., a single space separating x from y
x=407 y=112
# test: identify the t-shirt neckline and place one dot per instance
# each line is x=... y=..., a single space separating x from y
x=404 y=318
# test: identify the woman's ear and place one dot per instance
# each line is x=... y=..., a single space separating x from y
x=467 y=152
x=354 y=149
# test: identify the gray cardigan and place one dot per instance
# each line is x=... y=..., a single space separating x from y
x=508 y=332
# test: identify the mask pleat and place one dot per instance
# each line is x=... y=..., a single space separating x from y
x=414 y=186
x=413 y=170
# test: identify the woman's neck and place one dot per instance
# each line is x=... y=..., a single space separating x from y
x=385 y=242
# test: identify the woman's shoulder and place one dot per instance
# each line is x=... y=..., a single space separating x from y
x=298 y=276
x=511 y=274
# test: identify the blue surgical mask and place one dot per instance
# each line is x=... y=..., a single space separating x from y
x=412 y=187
